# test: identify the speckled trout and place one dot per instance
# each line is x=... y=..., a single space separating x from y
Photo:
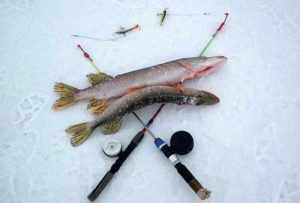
x=170 y=74
x=137 y=100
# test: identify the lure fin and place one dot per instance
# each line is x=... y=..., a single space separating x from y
x=96 y=78
x=97 y=106
x=112 y=126
x=80 y=132
x=66 y=94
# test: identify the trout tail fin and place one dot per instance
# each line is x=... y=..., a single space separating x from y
x=66 y=94
x=80 y=132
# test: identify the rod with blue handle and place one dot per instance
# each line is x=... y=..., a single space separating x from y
x=201 y=192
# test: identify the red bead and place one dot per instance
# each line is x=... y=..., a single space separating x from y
x=78 y=45
x=86 y=54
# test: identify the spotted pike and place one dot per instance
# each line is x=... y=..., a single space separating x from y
x=170 y=74
x=137 y=100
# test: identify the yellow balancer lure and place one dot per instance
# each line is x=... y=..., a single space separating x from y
x=162 y=16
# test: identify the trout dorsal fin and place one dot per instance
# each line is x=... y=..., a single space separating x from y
x=96 y=78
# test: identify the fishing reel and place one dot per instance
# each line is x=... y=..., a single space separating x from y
x=181 y=143
x=112 y=148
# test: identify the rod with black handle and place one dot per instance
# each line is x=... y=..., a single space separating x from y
x=202 y=192
x=121 y=159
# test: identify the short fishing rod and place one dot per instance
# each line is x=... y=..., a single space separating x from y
x=201 y=192
x=122 y=157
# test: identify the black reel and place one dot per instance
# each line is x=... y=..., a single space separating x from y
x=182 y=142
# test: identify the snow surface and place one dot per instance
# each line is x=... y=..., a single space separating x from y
x=246 y=147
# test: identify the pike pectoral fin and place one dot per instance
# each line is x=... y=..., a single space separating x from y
x=112 y=126
x=96 y=78
x=179 y=87
x=97 y=106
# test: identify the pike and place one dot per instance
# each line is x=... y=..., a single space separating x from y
x=171 y=73
x=137 y=100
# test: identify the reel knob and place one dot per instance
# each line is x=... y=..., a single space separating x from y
x=112 y=147
x=182 y=142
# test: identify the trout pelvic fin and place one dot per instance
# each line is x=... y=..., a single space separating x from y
x=66 y=94
x=112 y=126
x=97 y=106
x=96 y=78
x=80 y=132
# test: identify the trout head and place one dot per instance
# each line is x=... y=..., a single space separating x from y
x=204 y=65
x=198 y=97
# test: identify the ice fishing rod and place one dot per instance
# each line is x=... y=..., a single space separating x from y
x=122 y=157
x=201 y=192
x=214 y=35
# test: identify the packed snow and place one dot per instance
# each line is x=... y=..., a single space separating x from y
x=246 y=147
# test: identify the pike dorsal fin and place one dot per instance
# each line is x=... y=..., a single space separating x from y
x=96 y=78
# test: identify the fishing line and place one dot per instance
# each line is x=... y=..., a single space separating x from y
x=188 y=14
x=98 y=39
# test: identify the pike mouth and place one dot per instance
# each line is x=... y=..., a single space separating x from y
x=210 y=64
x=214 y=61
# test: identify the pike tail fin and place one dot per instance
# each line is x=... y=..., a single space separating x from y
x=80 y=132
x=66 y=94
x=96 y=78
